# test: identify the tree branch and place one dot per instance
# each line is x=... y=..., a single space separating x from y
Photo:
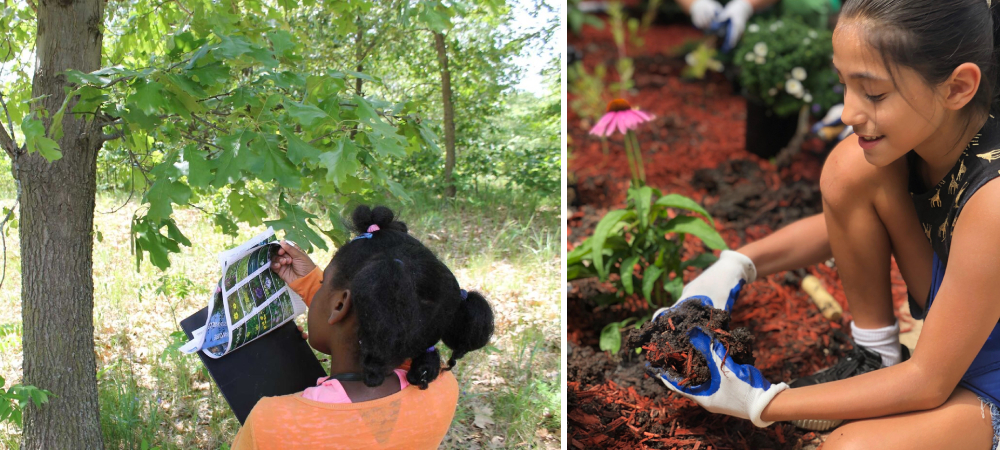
x=6 y=141
x=138 y=166
x=116 y=81
x=112 y=136
x=210 y=124
x=109 y=121
x=200 y=141
x=3 y=240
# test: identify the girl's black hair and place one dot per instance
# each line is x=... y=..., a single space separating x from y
x=933 y=37
x=406 y=300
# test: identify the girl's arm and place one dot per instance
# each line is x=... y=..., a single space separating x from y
x=800 y=244
x=964 y=314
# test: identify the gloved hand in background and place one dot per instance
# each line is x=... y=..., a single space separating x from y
x=831 y=127
x=704 y=13
x=737 y=390
x=734 y=18
x=720 y=284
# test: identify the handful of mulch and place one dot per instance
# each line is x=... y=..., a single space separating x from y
x=667 y=346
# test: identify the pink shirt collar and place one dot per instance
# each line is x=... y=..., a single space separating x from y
x=331 y=391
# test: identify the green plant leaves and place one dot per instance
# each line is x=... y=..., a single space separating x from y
x=674 y=287
x=13 y=401
x=340 y=162
x=198 y=167
x=148 y=97
x=601 y=232
x=697 y=227
x=160 y=196
x=305 y=114
x=622 y=236
x=147 y=238
x=611 y=338
x=36 y=141
x=274 y=165
x=627 y=273
x=682 y=202
x=246 y=208
x=641 y=198
x=611 y=335
x=649 y=281
x=293 y=223
x=300 y=151
x=234 y=158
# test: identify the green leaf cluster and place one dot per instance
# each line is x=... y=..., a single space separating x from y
x=642 y=245
x=229 y=118
x=16 y=398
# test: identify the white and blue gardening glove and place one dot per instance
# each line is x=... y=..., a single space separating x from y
x=720 y=284
x=833 y=119
x=704 y=12
x=737 y=390
x=734 y=17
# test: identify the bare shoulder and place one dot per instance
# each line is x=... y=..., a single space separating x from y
x=981 y=213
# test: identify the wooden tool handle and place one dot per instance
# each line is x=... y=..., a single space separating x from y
x=826 y=303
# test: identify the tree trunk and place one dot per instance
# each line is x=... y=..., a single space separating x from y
x=57 y=219
x=359 y=37
x=449 y=115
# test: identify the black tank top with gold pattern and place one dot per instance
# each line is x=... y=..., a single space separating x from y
x=938 y=207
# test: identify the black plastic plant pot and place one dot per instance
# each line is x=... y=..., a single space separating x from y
x=767 y=133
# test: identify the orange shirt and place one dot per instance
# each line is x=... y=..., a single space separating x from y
x=411 y=418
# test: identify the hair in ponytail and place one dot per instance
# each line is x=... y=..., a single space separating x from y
x=471 y=328
x=406 y=300
x=933 y=37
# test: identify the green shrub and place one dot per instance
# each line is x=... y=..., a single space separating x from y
x=787 y=64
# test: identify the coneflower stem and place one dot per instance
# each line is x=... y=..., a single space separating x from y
x=631 y=162
x=604 y=146
x=640 y=164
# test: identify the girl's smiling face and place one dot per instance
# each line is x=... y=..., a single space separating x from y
x=889 y=119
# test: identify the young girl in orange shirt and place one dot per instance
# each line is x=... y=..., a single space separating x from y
x=383 y=300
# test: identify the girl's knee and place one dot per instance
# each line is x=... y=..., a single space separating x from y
x=847 y=437
x=848 y=177
x=844 y=175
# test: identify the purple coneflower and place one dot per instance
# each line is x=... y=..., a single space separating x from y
x=622 y=117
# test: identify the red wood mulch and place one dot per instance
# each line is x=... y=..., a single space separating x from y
x=698 y=125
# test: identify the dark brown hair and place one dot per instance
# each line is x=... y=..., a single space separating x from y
x=933 y=37
x=406 y=300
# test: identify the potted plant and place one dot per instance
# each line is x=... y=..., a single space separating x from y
x=784 y=66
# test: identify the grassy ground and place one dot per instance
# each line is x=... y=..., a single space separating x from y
x=501 y=243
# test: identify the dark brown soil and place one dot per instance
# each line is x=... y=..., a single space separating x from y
x=744 y=197
x=667 y=346
x=593 y=368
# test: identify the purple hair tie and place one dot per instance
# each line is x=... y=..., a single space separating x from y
x=464 y=293
x=431 y=349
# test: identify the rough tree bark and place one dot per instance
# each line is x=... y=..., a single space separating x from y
x=57 y=219
x=449 y=115
x=359 y=37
